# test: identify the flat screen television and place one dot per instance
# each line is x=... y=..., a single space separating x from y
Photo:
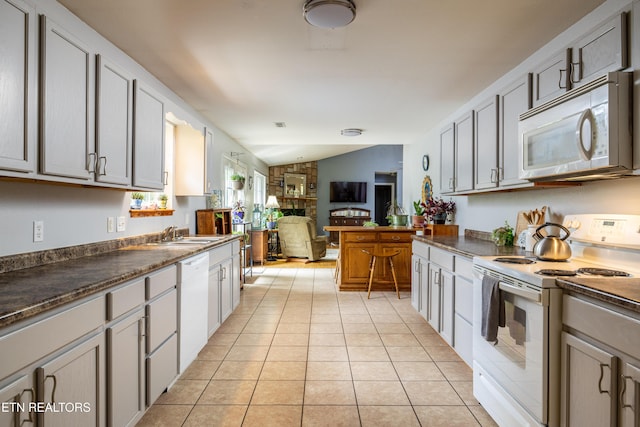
x=348 y=192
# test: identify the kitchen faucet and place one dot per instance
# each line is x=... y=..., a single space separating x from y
x=169 y=233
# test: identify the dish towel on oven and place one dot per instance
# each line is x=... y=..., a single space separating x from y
x=492 y=309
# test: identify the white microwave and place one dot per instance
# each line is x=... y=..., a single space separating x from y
x=582 y=135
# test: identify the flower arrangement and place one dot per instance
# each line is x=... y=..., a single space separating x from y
x=238 y=206
x=436 y=209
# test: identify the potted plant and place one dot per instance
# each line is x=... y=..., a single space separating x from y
x=436 y=209
x=136 y=200
x=238 y=211
x=162 y=201
x=503 y=236
x=417 y=219
x=396 y=215
x=271 y=218
x=237 y=181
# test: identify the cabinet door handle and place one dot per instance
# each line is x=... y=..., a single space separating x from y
x=602 y=366
x=18 y=422
x=91 y=162
x=55 y=385
x=450 y=183
x=165 y=179
x=500 y=174
x=494 y=175
x=623 y=391
x=102 y=170
x=576 y=69
x=560 y=86
x=141 y=329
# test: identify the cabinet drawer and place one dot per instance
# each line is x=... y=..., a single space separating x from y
x=395 y=237
x=610 y=327
x=442 y=258
x=219 y=254
x=35 y=341
x=162 y=368
x=464 y=298
x=125 y=299
x=360 y=237
x=421 y=249
x=159 y=282
x=464 y=267
x=162 y=319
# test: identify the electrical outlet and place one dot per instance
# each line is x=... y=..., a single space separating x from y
x=111 y=224
x=121 y=225
x=38 y=231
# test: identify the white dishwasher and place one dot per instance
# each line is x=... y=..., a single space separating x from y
x=193 y=288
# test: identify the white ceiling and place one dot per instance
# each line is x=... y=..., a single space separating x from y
x=400 y=68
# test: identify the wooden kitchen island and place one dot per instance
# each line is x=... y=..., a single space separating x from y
x=353 y=264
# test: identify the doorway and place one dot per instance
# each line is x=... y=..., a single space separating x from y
x=384 y=193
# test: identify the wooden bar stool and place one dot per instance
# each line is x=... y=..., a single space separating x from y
x=372 y=265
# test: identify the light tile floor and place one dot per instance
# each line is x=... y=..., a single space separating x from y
x=296 y=352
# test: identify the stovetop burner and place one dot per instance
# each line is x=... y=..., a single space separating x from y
x=513 y=260
x=553 y=272
x=603 y=272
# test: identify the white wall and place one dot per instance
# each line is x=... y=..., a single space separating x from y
x=488 y=211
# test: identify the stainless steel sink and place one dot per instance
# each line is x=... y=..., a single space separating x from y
x=188 y=241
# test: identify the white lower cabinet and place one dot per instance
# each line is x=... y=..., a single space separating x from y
x=161 y=332
x=442 y=292
x=125 y=370
x=224 y=283
x=73 y=383
x=600 y=365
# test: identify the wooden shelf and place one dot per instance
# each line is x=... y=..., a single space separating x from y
x=139 y=213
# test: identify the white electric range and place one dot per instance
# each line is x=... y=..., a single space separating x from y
x=516 y=379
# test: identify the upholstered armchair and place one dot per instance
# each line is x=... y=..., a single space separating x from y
x=298 y=238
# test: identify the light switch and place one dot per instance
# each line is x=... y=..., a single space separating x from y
x=121 y=225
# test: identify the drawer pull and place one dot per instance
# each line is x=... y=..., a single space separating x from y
x=395 y=237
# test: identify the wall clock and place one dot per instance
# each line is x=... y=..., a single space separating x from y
x=425 y=162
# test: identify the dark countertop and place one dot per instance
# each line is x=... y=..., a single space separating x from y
x=31 y=291
x=469 y=246
x=621 y=291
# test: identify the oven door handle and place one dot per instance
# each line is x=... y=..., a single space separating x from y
x=524 y=293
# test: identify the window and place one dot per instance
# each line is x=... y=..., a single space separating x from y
x=230 y=167
x=259 y=189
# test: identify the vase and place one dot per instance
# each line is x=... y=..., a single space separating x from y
x=417 y=220
x=440 y=218
x=137 y=204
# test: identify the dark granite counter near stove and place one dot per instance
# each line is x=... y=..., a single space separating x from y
x=620 y=291
x=30 y=291
x=469 y=246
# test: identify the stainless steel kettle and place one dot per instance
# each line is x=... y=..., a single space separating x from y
x=550 y=247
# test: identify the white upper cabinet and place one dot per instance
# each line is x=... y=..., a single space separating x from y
x=148 y=138
x=551 y=78
x=189 y=149
x=486 y=144
x=66 y=115
x=17 y=86
x=514 y=100
x=113 y=123
x=463 y=180
x=598 y=52
x=447 y=159
x=602 y=50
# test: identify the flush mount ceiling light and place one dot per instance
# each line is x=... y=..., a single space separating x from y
x=351 y=132
x=329 y=13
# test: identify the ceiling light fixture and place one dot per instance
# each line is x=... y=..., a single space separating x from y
x=329 y=13
x=351 y=132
